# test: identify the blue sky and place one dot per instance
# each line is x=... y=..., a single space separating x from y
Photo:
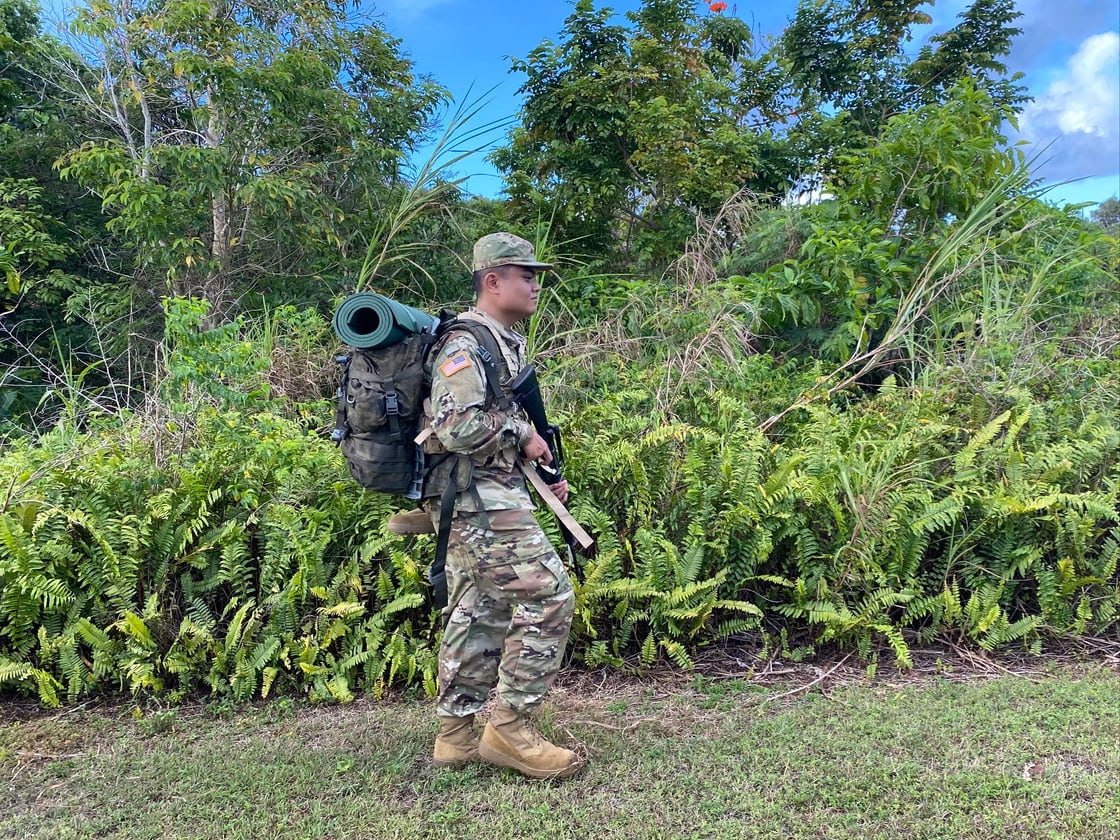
x=1069 y=52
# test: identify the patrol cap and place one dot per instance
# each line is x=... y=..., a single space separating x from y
x=498 y=249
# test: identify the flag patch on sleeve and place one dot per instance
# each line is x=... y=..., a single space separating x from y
x=456 y=363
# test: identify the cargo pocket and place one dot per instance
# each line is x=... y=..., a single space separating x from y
x=365 y=402
x=523 y=571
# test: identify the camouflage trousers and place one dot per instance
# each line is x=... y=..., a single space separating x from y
x=509 y=611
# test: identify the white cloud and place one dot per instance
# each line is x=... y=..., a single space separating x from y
x=1080 y=113
x=1052 y=30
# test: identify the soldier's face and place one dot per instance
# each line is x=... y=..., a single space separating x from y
x=515 y=292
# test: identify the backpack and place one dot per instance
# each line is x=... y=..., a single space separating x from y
x=381 y=404
x=380 y=407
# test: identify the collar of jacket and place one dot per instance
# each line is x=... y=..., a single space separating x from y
x=513 y=344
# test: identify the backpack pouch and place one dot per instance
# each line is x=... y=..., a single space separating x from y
x=388 y=467
x=374 y=376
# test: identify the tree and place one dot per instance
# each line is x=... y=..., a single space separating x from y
x=25 y=243
x=1107 y=215
x=971 y=50
x=626 y=132
x=850 y=74
x=856 y=258
x=19 y=23
x=241 y=144
x=44 y=224
x=847 y=55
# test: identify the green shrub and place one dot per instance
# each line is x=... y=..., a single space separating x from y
x=894 y=518
x=227 y=550
x=212 y=542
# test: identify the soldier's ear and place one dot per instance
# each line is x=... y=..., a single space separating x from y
x=492 y=280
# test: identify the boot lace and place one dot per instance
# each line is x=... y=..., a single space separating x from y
x=531 y=732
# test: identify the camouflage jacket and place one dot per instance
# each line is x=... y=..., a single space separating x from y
x=462 y=424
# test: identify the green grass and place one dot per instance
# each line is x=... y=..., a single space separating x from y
x=705 y=758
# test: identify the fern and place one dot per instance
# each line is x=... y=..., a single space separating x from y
x=242 y=560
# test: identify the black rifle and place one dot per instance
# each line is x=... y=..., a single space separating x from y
x=527 y=392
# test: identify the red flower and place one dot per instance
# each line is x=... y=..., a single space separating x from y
x=717 y=7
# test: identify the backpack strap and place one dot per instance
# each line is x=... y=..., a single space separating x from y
x=437 y=575
x=488 y=353
x=341 y=427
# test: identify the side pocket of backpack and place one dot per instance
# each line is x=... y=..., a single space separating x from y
x=365 y=395
x=387 y=467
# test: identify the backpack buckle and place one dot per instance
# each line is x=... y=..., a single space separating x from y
x=392 y=411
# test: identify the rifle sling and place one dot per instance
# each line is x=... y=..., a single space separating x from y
x=582 y=537
x=437 y=574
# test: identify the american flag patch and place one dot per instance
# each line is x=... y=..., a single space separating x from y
x=455 y=364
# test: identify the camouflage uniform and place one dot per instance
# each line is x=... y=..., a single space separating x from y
x=510 y=601
x=491 y=439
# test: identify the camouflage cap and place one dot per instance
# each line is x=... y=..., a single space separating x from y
x=497 y=249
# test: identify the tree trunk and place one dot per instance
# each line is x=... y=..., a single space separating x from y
x=217 y=284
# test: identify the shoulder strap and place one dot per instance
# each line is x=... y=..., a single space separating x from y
x=488 y=353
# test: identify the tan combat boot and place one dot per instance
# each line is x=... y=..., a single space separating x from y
x=511 y=740
x=410 y=522
x=456 y=742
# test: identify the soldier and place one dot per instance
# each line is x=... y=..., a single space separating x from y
x=510 y=600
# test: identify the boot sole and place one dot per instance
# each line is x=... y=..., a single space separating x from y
x=492 y=756
x=452 y=762
x=456 y=760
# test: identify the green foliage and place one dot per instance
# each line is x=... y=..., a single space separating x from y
x=867 y=520
x=211 y=194
x=842 y=290
x=244 y=561
x=850 y=75
x=1107 y=215
x=885 y=520
x=25 y=244
x=215 y=361
x=209 y=543
x=1036 y=313
x=860 y=255
x=626 y=130
x=932 y=164
x=212 y=544
x=44 y=225
x=863 y=422
x=660 y=573
x=19 y=24
x=972 y=50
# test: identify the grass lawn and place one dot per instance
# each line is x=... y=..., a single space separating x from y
x=934 y=754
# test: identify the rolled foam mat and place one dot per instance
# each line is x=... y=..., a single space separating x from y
x=367 y=320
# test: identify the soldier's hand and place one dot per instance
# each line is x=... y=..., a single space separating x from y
x=535 y=449
x=560 y=491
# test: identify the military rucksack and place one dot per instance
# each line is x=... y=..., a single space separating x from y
x=381 y=404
